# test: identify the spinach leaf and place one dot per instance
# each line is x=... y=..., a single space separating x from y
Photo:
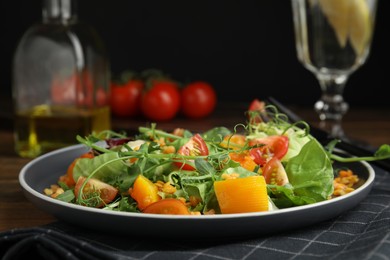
x=311 y=172
x=216 y=134
x=105 y=167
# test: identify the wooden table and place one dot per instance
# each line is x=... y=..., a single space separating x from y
x=370 y=125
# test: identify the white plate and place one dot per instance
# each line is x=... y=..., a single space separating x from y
x=45 y=170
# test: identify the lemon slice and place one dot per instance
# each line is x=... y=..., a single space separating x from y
x=337 y=13
x=351 y=21
x=359 y=25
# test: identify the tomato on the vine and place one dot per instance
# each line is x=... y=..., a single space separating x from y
x=63 y=89
x=162 y=101
x=125 y=98
x=77 y=88
x=196 y=146
x=198 y=99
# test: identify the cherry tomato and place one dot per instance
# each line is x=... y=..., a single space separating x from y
x=198 y=99
x=107 y=192
x=268 y=147
x=167 y=206
x=162 y=101
x=126 y=98
x=196 y=146
x=255 y=106
x=274 y=172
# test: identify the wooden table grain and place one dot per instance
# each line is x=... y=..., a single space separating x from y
x=371 y=126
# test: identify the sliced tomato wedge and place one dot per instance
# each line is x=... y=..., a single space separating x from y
x=274 y=172
x=259 y=155
x=107 y=193
x=196 y=146
x=266 y=148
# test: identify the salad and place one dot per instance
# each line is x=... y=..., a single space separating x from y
x=265 y=164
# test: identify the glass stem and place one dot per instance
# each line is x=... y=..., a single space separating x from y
x=331 y=107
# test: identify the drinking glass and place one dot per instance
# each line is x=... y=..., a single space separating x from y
x=333 y=39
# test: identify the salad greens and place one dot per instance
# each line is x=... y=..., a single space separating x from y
x=306 y=166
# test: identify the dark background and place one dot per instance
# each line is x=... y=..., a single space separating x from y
x=244 y=48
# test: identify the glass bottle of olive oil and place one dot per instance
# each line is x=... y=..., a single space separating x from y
x=60 y=82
